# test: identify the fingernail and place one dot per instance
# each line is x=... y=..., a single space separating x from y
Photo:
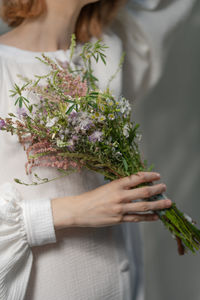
x=168 y=202
x=157 y=175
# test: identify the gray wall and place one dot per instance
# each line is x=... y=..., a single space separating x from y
x=170 y=125
x=3 y=27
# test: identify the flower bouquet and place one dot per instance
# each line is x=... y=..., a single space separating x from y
x=75 y=125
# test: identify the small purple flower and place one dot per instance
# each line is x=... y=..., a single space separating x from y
x=72 y=117
x=75 y=138
x=2 y=124
x=95 y=136
x=21 y=112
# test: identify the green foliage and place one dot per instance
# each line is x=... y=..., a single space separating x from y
x=72 y=46
x=89 y=51
x=118 y=69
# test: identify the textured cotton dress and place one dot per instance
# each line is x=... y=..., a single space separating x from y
x=37 y=262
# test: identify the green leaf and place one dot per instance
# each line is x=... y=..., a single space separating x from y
x=70 y=109
x=17 y=88
x=136 y=126
x=72 y=46
x=17 y=180
x=25 y=99
x=24 y=86
x=103 y=59
x=11 y=115
x=30 y=108
x=16 y=101
x=36 y=82
x=20 y=102
x=69 y=101
x=13 y=93
x=125 y=164
x=93 y=77
x=94 y=93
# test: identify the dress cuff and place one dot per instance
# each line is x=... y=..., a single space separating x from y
x=38 y=219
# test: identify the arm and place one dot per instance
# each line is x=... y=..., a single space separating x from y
x=22 y=225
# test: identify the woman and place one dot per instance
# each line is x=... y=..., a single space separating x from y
x=74 y=238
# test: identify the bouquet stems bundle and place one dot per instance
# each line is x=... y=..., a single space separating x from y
x=75 y=125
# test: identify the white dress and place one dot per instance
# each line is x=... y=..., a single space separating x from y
x=37 y=262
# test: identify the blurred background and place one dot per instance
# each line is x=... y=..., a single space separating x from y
x=170 y=125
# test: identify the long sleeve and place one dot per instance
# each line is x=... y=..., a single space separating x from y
x=22 y=225
x=147 y=28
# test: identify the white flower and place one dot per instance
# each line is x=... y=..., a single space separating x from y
x=126 y=130
x=110 y=102
x=115 y=144
x=102 y=107
x=123 y=105
x=51 y=122
x=111 y=116
x=118 y=155
x=101 y=118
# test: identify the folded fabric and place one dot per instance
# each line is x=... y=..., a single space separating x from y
x=17 y=235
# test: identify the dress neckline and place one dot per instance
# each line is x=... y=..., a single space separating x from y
x=28 y=54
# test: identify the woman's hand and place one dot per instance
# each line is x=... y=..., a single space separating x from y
x=111 y=203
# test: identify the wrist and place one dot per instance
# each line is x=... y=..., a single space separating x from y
x=62 y=214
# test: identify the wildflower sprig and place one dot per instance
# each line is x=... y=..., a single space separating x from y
x=21 y=99
x=75 y=125
x=95 y=51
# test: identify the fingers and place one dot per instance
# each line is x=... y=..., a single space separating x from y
x=144 y=192
x=140 y=218
x=145 y=206
x=138 y=178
